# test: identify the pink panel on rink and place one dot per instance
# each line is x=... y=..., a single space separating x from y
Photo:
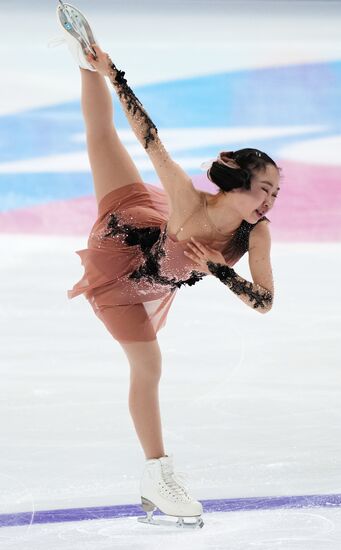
x=62 y=217
x=307 y=209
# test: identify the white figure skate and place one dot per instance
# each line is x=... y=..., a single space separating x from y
x=77 y=33
x=162 y=489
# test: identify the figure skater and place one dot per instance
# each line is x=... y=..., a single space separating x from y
x=148 y=242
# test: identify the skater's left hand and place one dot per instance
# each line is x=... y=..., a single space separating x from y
x=102 y=62
x=201 y=254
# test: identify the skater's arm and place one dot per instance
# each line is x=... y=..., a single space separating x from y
x=173 y=178
x=258 y=294
x=252 y=294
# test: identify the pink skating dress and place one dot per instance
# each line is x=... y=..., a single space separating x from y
x=132 y=267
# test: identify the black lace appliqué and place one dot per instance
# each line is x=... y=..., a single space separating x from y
x=145 y=238
x=239 y=244
x=238 y=285
x=133 y=103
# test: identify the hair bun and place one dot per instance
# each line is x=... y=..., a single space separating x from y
x=248 y=160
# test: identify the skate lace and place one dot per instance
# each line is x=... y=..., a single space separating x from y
x=175 y=481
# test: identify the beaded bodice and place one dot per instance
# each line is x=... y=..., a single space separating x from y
x=159 y=259
x=163 y=262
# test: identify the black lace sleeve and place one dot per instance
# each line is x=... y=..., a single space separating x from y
x=250 y=293
x=139 y=120
x=172 y=175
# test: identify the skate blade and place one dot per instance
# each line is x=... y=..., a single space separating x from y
x=72 y=20
x=149 y=507
x=180 y=523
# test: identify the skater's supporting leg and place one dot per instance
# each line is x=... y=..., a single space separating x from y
x=110 y=162
x=145 y=373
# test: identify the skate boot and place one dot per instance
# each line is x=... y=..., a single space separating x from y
x=161 y=488
x=77 y=33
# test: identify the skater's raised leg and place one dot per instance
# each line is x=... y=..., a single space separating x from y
x=145 y=373
x=110 y=162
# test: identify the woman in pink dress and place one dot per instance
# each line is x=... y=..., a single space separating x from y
x=148 y=242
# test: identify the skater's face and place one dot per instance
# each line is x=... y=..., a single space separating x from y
x=261 y=196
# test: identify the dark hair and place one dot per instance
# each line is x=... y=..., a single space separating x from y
x=249 y=160
x=227 y=178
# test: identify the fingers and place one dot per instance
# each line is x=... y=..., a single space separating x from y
x=199 y=261
x=97 y=48
x=199 y=247
x=192 y=252
x=99 y=53
x=90 y=57
x=197 y=243
x=197 y=251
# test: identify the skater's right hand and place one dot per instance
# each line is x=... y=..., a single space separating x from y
x=102 y=62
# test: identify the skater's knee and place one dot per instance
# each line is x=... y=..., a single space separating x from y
x=142 y=352
x=143 y=373
x=145 y=361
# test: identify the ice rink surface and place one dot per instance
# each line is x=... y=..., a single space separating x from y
x=250 y=404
